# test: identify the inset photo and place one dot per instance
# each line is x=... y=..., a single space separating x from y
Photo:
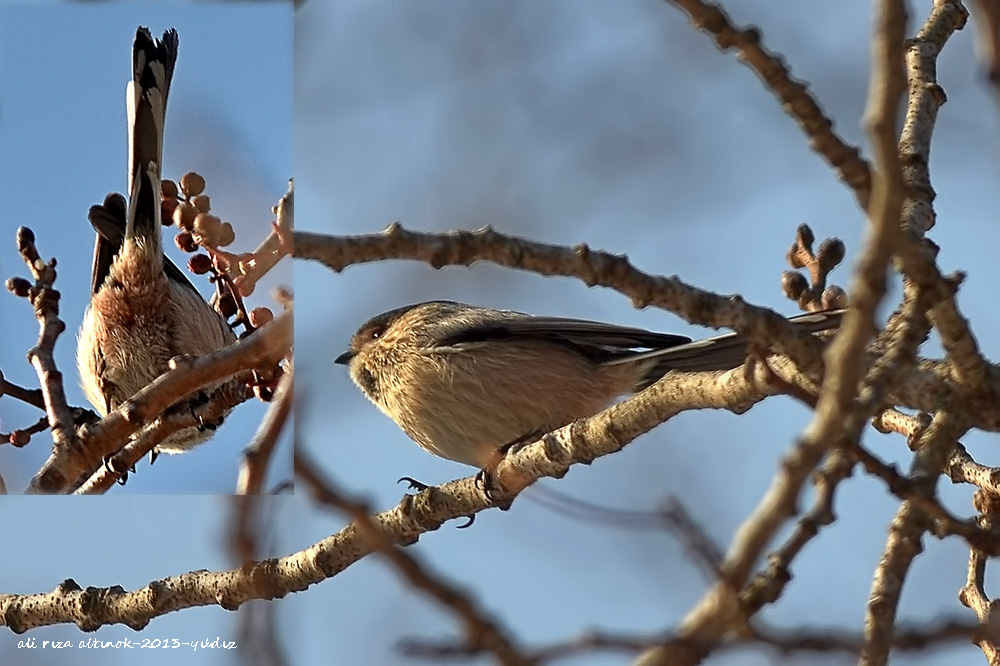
x=145 y=231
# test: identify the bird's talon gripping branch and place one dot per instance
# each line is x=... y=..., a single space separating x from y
x=413 y=484
x=113 y=466
x=109 y=465
x=200 y=423
x=486 y=477
x=486 y=481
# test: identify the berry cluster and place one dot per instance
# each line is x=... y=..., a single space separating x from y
x=188 y=208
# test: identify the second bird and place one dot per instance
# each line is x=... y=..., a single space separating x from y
x=143 y=310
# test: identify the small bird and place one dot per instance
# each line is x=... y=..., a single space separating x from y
x=465 y=382
x=143 y=310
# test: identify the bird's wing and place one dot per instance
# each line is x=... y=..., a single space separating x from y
x=108 y=220
x=598 y=341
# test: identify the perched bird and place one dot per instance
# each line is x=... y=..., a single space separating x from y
x=143 y=310
x=464 y=382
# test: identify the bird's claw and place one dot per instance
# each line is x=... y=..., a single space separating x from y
x=202 y=425
x=121 y=475
x=413 y=484
x=486 y=477
x=472 y=519
x=486 y=481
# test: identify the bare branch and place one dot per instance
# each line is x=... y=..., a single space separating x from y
x=973 y=594
x=258 y=453
x=905 y=533
x=45 y=300
x=264 y=348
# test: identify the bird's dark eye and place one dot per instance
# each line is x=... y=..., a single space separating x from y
x=377 y=332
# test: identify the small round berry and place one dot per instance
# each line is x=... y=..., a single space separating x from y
x=260 y=316
x=185 y=242
x=192 y=184
x=202 y=203
x=793 y=284
x=207 y=228
x=167 y=208
x=168 y=189
x=200 y=264
x=226 y=234
x=184 y=216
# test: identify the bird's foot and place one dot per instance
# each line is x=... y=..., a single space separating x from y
x=193 y=404
x=413 y=484
x=486 y=477
x=115 y=467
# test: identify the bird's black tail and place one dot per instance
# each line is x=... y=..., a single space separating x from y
x=152 y=68
x=723 y=352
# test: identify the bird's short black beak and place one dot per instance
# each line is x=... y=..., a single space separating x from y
x=345 y=358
